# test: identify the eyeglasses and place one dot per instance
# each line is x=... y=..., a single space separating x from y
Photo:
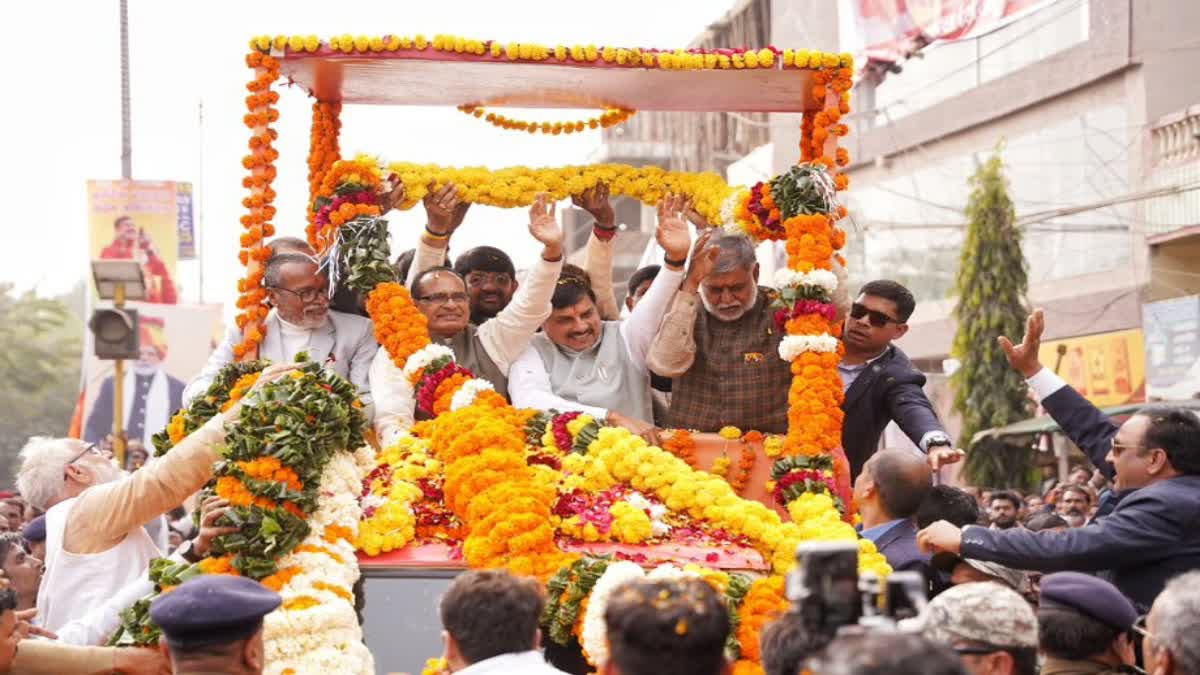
x=496 y=278
x=91 y=448
x=1118 y=448
x=307 y=296
x=1140 y=627
x=877 y=319
x=444 y=298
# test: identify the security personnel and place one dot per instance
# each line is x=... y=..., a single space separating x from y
x=1085 y=626
x=213 y=624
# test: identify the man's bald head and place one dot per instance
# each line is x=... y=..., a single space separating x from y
x=902 y=479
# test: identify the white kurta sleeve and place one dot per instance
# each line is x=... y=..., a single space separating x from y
x=393 y=398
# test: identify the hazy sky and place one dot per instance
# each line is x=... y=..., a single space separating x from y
x=62 y=113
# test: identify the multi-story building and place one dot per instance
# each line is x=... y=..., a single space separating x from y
x=1092 y=105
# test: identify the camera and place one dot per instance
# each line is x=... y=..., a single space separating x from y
x=826 y=590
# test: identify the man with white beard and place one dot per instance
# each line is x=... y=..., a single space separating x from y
x=725 y=360
x=95 y=543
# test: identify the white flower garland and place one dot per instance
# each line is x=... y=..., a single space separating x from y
x=823 y=279
x=466 y=394
x=729 y=211
x=793 y=346
x=594 y=636
x=325 y=638
x=423 y=357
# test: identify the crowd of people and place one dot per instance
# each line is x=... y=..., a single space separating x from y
x=693 y=345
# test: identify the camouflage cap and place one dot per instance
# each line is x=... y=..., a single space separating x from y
x=986 y=612
x=1018 y=580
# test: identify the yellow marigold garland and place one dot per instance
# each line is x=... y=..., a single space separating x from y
x=609 y=118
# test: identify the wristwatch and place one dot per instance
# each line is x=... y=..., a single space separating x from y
x=938 y=439
x=188 y=551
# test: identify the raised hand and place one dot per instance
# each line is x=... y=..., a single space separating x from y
x=544 y=226
x=441 y=208
x=672 y=233
x=940 y=536
x=594 y=200
x=695 y=217
x=1024 y=357
x=210 y=512
x=704 y=259
x=391 y=196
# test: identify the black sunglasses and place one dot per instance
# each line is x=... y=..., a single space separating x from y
x=877 y=319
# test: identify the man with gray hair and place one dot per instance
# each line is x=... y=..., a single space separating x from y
x=1170 y=630
x=724 y=360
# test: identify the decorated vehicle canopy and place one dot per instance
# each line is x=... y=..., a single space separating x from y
x=521 y=489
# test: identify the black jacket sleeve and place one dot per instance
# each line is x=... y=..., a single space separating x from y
x=1145 y=526
x=1084 y=424
x=911 y=409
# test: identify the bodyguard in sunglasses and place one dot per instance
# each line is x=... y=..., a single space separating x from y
x=880 y=382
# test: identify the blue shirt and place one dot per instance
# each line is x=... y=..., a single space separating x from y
x=876 y=533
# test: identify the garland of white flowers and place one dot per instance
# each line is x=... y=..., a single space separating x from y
x=466 y=394
x=594 y=636
x=324 y=638
x=793 y=346
x=823 y=279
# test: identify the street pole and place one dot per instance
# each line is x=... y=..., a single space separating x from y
x=118 y=429
x=126 y=126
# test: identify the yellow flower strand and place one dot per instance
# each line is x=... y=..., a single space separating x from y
x=630 y=57
x=518 y=186
x=609 y=118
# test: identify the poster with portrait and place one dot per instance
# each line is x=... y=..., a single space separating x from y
x=138 y=220
x=175 y=343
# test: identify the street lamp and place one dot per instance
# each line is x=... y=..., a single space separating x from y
x=116 y=331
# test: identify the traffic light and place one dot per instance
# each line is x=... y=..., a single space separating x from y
x=117 y=334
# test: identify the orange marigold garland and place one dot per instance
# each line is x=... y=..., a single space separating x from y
x=681 y=444
x=609 y=118
x=261 y=113
x=400 y=328
x=323 y=151
x=764 y=603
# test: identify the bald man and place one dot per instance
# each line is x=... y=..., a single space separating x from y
x=891 y=487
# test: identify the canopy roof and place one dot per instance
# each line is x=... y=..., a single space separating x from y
x=429 y=77
x=1046 y=424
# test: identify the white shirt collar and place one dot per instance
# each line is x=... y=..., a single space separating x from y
x=524 y=663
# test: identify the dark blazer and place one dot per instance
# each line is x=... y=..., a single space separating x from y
x=1092 y=431
x=1152 y=535
x=899 y=546
x=889 y=389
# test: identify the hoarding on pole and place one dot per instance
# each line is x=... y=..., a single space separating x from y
x=138 y=220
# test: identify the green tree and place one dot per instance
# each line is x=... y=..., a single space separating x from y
x=991 y=286
x=40 y=347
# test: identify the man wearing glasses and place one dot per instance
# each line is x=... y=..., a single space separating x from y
x=1153 y=533
x=881 y=384
x=444 y=297
x=301 y=321
x=95 y=542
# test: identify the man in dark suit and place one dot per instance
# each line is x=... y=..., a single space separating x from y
x=880 y=382
x=890 y=489
x=1151 y=535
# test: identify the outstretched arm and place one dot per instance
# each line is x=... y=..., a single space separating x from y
x=507 y=335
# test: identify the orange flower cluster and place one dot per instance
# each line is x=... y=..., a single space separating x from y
x=763 y=604
x=236 y=493
x=609 y=118
x=682 y=445
x=811 y=242
x=361 y=172
x=239 y=389
x=445 y=391
x=271 y=469
x=312 y=548
x=323 y=150
x=492 y=489
x=400 y=327
x=335 y=532
x=814 y=405
x=175 y=428
x=746 y=463
x=221 y=565
x=816 y=129
x=301 y=603
x=336 y=590
x=260 y=163
x=277 y=581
